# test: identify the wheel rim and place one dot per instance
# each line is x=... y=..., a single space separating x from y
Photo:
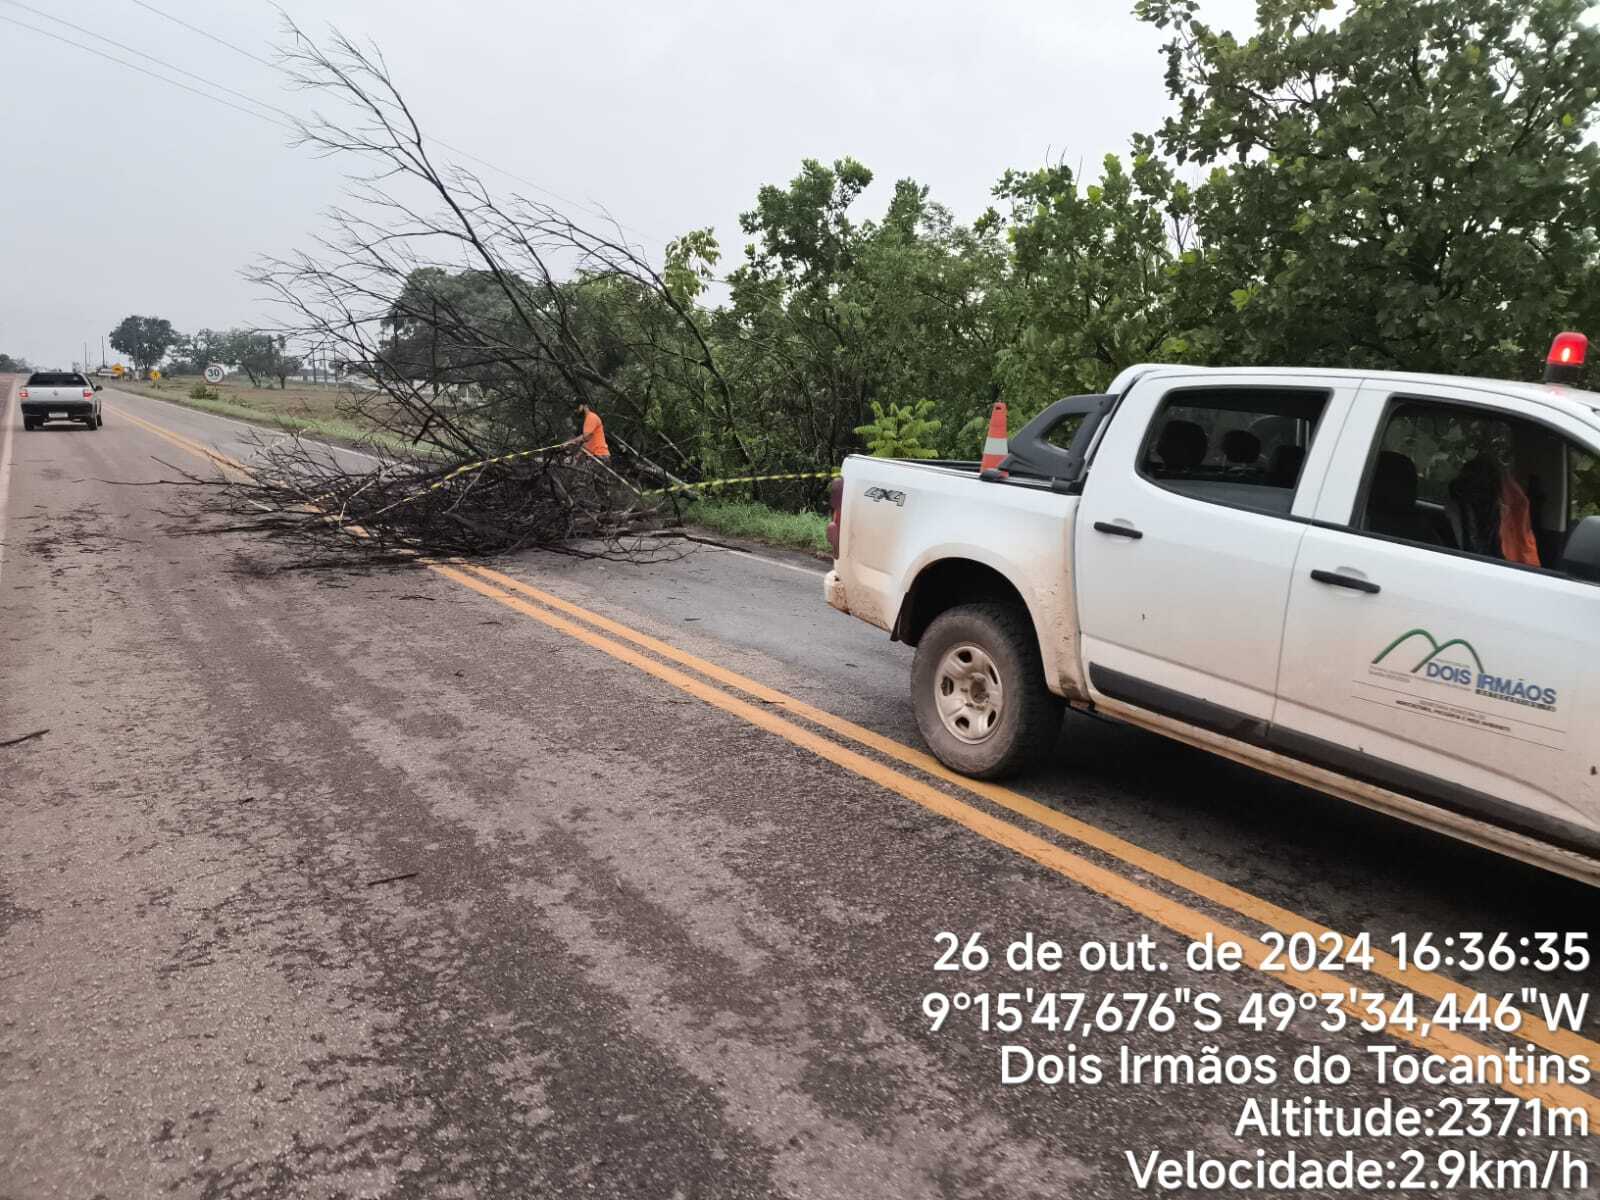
x=968 y=693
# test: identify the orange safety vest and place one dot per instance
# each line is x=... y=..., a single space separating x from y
x=1517 y=543
x=594 y=435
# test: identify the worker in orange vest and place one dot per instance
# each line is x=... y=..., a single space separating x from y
x=593 y=437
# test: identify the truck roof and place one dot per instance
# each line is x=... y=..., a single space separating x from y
x=1575 y=402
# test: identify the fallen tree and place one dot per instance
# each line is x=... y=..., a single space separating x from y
x=299 y=493
x=466 y=330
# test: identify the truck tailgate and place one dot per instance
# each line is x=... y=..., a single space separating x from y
x=899 y=519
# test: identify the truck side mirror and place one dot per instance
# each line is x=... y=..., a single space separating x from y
x=1581 y=556
x=97 y=387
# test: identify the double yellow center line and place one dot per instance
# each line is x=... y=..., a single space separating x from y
x=778 y=713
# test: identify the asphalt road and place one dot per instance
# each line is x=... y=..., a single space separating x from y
x=581 y=878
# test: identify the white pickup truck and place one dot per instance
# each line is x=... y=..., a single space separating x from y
x=1384 y=586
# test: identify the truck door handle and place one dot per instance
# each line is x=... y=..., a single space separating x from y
x=1127 y=531
x=1346 y=581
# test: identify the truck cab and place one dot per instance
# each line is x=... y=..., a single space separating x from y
x=1382 y=585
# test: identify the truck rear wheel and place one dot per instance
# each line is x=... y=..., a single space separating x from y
x=979 y=694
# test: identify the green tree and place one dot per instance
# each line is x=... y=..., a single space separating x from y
x=1091 y=289
x=901 y=430
x=10 y=365
x=691 y=264
x=180 y=358
x=286 y=364
x=261 y=356
x=1414 y=185
x=442 y=326
x=830 y=314
x=932 y=291
x=794 y=336
x=192 y=353
x=143 y=339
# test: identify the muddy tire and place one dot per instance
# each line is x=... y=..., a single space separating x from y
x=978 y=691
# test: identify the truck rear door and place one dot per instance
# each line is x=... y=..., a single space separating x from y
x=1431 y=646
x=1186 y=540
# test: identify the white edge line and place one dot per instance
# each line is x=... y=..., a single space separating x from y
x=254 y=428
x=5 y=463
x=771 y=562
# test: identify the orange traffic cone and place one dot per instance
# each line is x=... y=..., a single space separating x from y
x=995 y=448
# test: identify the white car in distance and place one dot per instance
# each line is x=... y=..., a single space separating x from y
x=59 y=396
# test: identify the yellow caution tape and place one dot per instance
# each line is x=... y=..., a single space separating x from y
x=682 y=487
x=713 y=483
x=489 y=462
x=464 y=468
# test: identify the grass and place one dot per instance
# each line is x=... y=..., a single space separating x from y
x=305 y=408
x=747 y=519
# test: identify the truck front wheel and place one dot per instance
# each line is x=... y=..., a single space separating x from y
x=978 y=691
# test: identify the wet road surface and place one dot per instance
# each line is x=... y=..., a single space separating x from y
x=408 y=883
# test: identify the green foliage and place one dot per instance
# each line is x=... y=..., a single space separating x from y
x=192 y=353
x=1407 y=184
x=792 y=332
x=261 y=356
x=143 y=339
x=829 y=315
x=805 y=231
x=690 y=264
x=1091 y=288
x=10 y=365
x=1411 y=186
x=1584 y=492
x=900 y=430
x=201 y=392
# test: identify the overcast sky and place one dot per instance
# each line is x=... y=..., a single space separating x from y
x=123 y=194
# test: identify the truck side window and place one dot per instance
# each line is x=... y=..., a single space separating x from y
x=1239 y=446
x=1456 y=477
x=1583 y=485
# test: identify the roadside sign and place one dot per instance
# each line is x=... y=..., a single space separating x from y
x=155 y=374
x=118 y=370
x=215 y=372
